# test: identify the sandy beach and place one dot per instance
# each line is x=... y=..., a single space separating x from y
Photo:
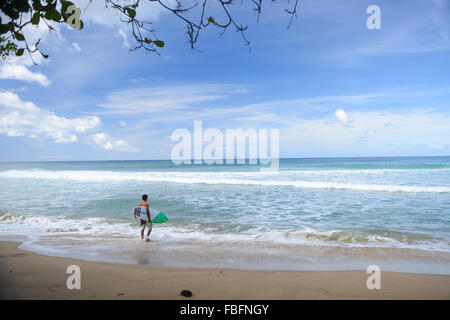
x=26 y=275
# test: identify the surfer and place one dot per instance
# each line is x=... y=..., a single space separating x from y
x=145 y=223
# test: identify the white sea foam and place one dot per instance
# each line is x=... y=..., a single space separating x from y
x=95 y=229
x=229 y=178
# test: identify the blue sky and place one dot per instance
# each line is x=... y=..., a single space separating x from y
x=333 y=87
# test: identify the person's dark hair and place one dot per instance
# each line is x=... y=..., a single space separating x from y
x=144 y=197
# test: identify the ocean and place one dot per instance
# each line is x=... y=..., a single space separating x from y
x=313 y=214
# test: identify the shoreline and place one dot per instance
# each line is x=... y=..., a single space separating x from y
x=259 y=256
x=27 y=275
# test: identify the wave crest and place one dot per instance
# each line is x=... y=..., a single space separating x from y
x=231 y=178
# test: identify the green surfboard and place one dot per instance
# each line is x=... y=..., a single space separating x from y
x=140 y=213
x=160 y=218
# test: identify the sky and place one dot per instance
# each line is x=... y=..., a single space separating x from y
x=332 y=86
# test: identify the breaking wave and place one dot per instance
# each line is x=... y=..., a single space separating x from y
x=228 y=178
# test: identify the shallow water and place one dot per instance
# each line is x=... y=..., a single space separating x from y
x=253 y=217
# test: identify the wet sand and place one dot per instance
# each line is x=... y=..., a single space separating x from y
x=27 y=275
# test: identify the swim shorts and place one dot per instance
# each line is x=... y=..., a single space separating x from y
x=148 y=224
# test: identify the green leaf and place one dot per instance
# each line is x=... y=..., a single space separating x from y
x=131 y=12
x=211 y=19
x=37 y=5
x=49 y=14
x=19 y=52
x=4 y=28
x=36 y=18
x=147 y=40
x=20 y=5
x=56 y=16
x=10 y=11
x=159 y=43
x=65 y=5
x=19 y=36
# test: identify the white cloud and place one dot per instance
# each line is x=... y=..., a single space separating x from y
x=324 y=103
x=437 y=146
x=24 y=119
x=19 y=72
x=402 y=131
x=20 y=118
x=371 y=133
x=124 y=37
x=109 y=143
x=158 y=99
x=76 y=46
x=341 y=115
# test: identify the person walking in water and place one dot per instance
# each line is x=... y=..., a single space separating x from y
x=145 y=222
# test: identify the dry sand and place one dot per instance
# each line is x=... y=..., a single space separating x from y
x=26 y=275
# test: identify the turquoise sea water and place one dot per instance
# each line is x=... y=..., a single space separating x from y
x=355 y=206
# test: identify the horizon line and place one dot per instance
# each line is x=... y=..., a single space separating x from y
x=246 y=159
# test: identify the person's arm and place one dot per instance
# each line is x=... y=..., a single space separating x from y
x=148 y=213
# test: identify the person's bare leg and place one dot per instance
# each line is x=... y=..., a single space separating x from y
x=142 y=232
x=148 y=234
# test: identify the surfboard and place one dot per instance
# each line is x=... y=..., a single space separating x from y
x=155 y=215
x=160 y=218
